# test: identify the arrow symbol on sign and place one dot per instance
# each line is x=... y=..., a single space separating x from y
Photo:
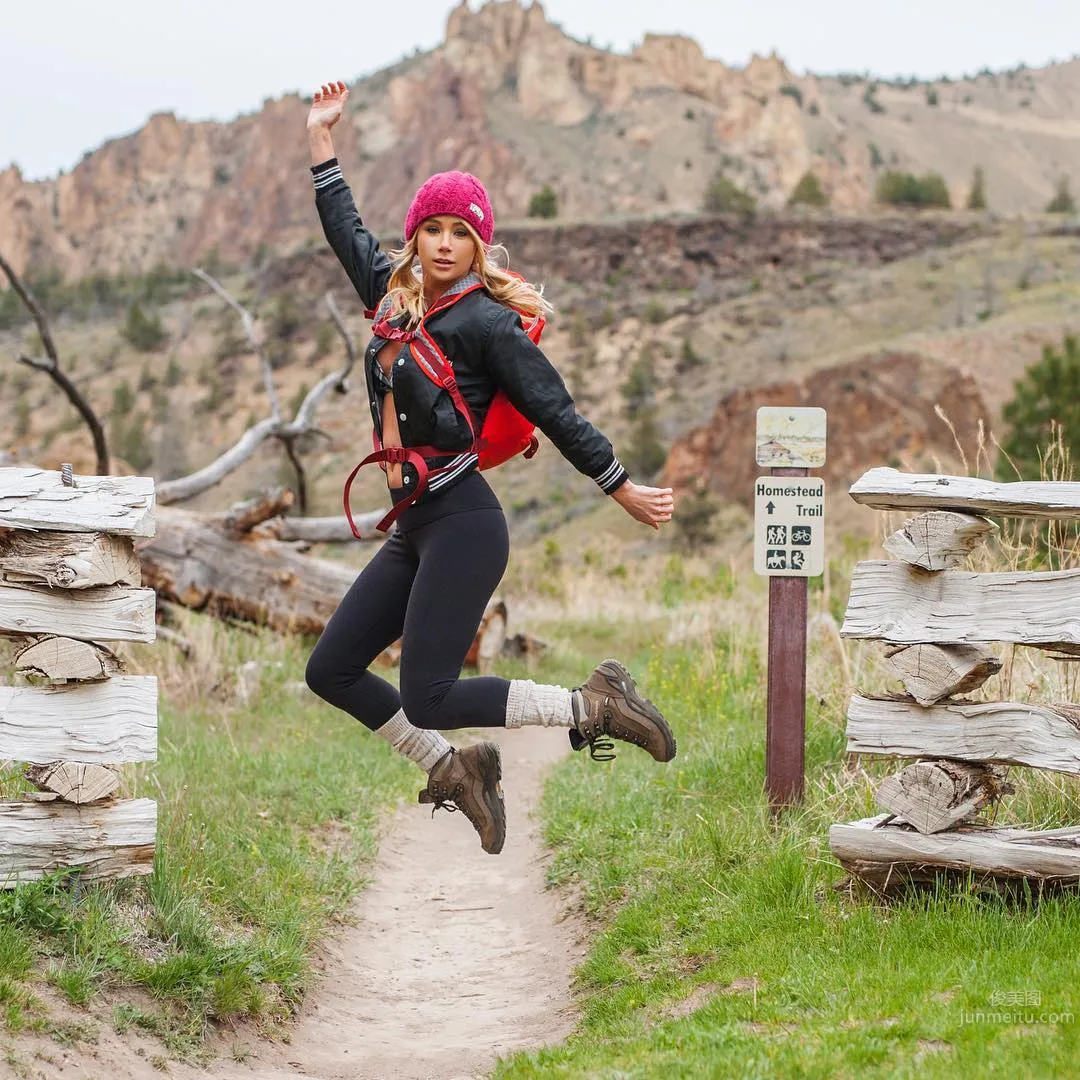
x=770 y=506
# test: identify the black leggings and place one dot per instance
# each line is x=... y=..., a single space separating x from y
x=429 y=584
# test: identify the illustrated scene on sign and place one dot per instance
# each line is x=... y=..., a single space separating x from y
x=539 y=541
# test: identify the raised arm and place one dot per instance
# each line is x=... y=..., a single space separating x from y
x=357 y=249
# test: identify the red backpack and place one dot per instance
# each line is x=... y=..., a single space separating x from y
x=505 y=434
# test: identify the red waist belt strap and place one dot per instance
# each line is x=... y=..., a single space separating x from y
x=396 y=455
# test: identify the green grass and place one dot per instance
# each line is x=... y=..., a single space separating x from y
x=266 y=820
x=722 y=946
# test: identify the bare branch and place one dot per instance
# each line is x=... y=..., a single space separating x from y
x=51 y=367
x=328 y=530
x=301 y=476
x=253 y=336
x=187 y=487
x=350 y=344
x=243 y=516
x=27 y=297
x=38 y=363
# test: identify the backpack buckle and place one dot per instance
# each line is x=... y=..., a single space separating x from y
x=396 y=455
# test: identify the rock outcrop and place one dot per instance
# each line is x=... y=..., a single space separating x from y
x=881 y=410
x=510 y=96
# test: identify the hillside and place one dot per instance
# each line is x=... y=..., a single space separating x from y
x=511 y=97
x=878 y=320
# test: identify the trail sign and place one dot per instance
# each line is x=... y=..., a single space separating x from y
x=790 y=437
x=789 y=526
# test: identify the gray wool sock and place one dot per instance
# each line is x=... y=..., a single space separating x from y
x=417 y=744
x=530 y=703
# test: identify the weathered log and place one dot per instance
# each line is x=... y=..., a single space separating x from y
x=325 y=530
x=108 y=840
x=1002 y=732
x=37 y=499
x=75 y=781
x=525 y=647
x=907 y=606
x=108 y=613
x=108 y=722
x=58 y=659
x=889 y=489
x=882 y=854
x=933 y=672
x=939 y=540
x=935 y=795
x=488 y=642
x=244 y=516
x=68 y=560
x=200 y=565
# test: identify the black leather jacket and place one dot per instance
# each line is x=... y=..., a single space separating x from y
x=485 y=343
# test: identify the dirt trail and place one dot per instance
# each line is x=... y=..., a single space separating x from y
x=457 y=957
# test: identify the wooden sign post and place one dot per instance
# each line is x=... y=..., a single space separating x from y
x=789 y=546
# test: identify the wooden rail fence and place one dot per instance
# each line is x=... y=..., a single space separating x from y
x=936 y=620
x=69 y=580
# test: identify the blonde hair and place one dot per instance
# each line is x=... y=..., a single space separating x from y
x=405 y=290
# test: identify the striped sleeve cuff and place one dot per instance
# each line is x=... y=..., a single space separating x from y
x=325 y=173
x=613 y=477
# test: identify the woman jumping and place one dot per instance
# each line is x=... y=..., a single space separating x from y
x=449 y=350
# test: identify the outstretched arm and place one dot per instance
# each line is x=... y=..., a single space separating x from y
x=538 y=392
x=358 y=251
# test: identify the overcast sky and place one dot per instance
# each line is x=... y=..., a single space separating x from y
x=75 y=73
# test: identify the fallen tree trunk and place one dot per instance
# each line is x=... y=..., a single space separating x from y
x=207 y=563
x=200 y=563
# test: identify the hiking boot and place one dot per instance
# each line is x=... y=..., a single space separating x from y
x=609 y=704
x=468 y=780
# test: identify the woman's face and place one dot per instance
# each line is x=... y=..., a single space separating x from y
x=445 y=248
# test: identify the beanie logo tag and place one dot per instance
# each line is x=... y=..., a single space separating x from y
x=477 y=211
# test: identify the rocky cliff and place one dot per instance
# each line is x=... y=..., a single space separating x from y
x=884 y=408
x=510 y=96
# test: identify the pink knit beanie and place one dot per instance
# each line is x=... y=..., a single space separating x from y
x=457 y=193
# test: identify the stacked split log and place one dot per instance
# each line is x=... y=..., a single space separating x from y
x=70 y=580
x=937 y=621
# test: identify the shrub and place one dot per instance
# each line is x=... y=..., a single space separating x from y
x=645 y=453
x=1062 y=202
x=809 y=192
x=544 y=203
x=693 y=524
x=1047 y=394
x=870 y=99
x=143 y=331
x=639 y=390
x=793 y=92
x=905 y=189
x=724 y=197
x=286 y=317
x=977 y=195
x=655 y=312
x=688 y=357
x=876 y=159
x=931 y=97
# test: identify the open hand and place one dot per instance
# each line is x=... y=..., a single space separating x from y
x=649 y=505
x=327 y=105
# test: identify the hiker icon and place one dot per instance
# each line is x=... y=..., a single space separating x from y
x=776 y=534
x=800 y=534
x=776 y=559
x=798 y=560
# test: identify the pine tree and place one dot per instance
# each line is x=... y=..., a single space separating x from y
x=1062 y=202
x=977 y=195
x=809 y=192
x=1048 y=393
